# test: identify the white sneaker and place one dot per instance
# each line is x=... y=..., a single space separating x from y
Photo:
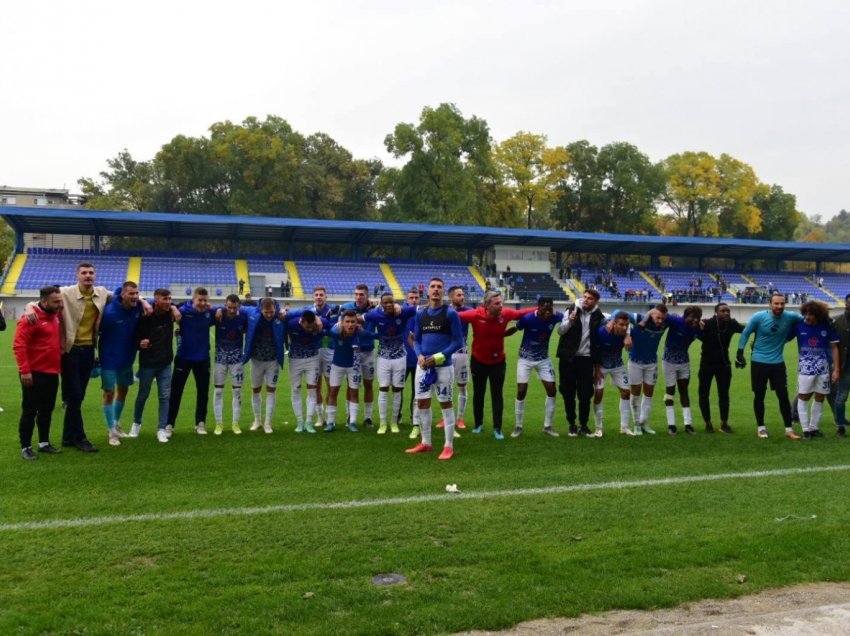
x=169 y=430
x=646 y=429
x=119 y=431
x=638 y=430
x=256 y=425
x=517 y=431
x=162 y=435
x=113 y=438
x=135 y=429
x=625 y=430
x=267 y=428
x=598 y=432
x=201 y=428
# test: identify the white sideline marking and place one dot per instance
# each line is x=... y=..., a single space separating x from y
x=397 y=501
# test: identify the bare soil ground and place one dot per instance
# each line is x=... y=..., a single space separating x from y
x=821 y=608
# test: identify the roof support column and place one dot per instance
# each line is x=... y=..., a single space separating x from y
x=469 y=256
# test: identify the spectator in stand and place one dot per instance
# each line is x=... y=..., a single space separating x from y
x=38 y=352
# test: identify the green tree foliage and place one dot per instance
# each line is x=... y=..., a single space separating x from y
x=779 y=214
x=613 y=189
x=837 y=229
x=447 y=170
x=261 y=168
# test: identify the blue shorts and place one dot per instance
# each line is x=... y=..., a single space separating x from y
x=110 y=378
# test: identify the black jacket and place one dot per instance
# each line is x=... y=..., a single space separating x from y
x=715 y=341
x=569 y=342
x=159 y=329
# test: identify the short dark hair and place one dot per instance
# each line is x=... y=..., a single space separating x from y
x=847 y=297
x=776 y=292
x=592 y=292
x=128 y=284
x=162 y=291
x=544 y=301
x=454 y=287
x=308 y=316
x=200 y=291
x=661 y=307
x=693 y=310
x=348 y=313
x=414 y=290
x=719 y=305
x=433 y=278
x=266 y=303
x=620 y=315
x=84 y=265
x=47 y=291
x=320 y=288
x=232 y=298
x=385 y=294
x=363 y=287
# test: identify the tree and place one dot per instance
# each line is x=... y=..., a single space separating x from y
x=448 y=160
x=779 y=214
x=737 y=213
x=692 y=192
x=532 y=171
x=837 y=229
x=578 y=202
x=630 y=185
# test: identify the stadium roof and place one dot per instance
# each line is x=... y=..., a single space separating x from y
x=285 y=230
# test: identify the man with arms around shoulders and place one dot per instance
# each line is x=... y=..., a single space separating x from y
x=681 y=332
x=360 y=305
x=117 y=350
x=330 y=313
x=611 y=338
x=154 y=336
x=771 y=328
x=193 y=356
x=460 y=359
x=413 y=299
x=489 y=324
x=437 y=335
x=536 y=330
x=348 y=334
x=578 y=356
x=38 y=352
x=715 y=363
x=390 y=323
x=818 y=364
x=230 y=328
x=264 y=345
x=646 y=333
x=306 y=333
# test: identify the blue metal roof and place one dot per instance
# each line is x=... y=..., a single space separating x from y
x=246 y=228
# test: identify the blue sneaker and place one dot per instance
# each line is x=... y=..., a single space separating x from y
x=353 y=427
x=498 y=435
x=477 y=429
x=329 y=427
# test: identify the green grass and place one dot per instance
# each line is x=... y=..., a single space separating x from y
x=485 y=564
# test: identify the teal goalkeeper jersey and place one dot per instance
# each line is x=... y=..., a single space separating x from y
x=771 y=334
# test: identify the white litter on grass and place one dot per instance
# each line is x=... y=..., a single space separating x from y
x=809 y=518
x=452 y=488
x=210 y=513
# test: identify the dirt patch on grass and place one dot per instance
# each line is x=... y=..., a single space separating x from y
x=821 y=608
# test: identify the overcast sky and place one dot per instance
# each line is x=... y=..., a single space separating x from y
x=766 y=82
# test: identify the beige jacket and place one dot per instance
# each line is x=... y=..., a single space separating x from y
x=75 y=305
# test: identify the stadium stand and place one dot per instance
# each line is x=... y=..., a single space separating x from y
x=838 y=284
x=46 y=266
x=790 y=283
x=177 y=273
x=529 y=286
x=410 y=275
x=340 y=277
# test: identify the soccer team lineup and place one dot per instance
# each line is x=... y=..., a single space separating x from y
x=412 y=355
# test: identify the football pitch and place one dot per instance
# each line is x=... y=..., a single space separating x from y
x=284 y=533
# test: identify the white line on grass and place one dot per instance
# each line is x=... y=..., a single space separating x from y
x=397 y=501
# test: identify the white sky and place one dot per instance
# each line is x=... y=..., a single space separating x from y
x=766 y=82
